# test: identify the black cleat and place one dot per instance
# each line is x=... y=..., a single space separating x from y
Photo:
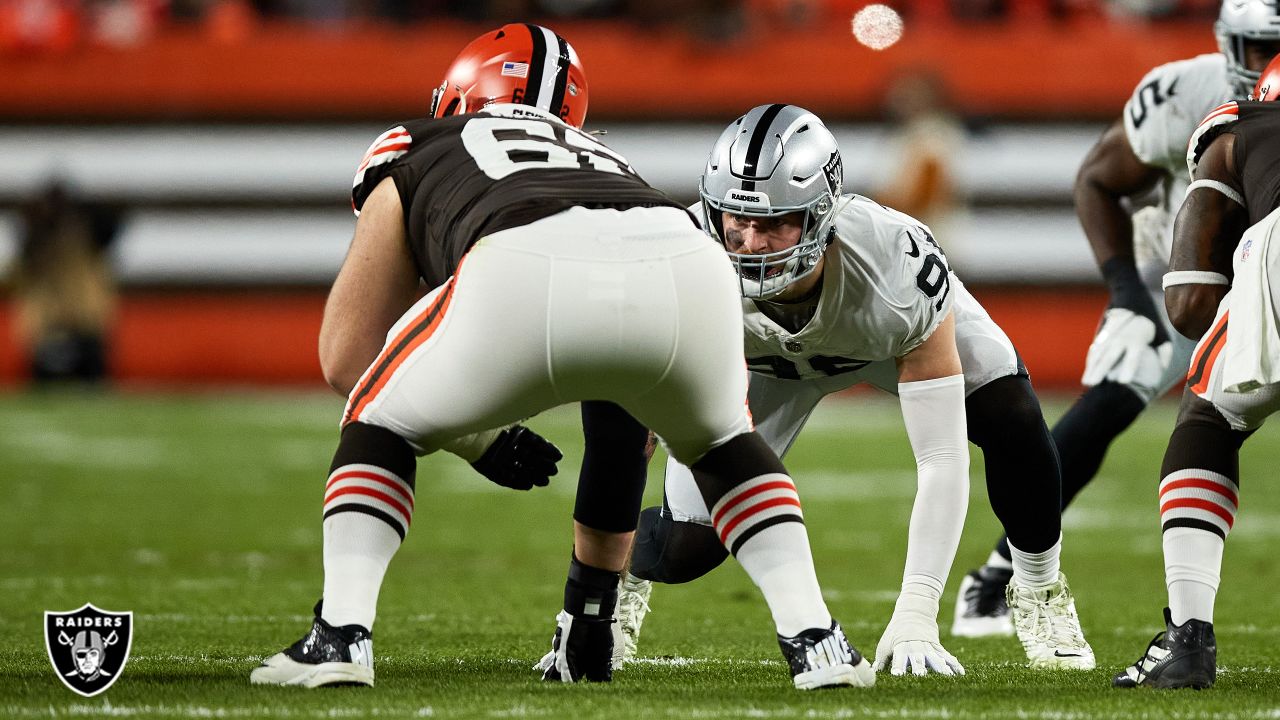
x=1183 y=656
x=981 y=608
x=586 y=654
x=327 y=655
x=824 y=658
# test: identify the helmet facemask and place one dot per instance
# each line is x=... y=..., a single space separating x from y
x=764 y=275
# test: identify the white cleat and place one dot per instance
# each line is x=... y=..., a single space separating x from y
x=326 y=655
x=981 y=608
x=1048 y=627
x=633 y=605
x=821 y=658
x=280 y=669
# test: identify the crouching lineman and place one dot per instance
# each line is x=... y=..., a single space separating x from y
x=839 y=290
x=1234 y=381
x=1136 y=355
x=599 y=288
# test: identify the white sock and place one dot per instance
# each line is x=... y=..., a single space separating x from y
x=1036 y=570
x=1192 y=566
x=779 y=562
x=1197 y=510
x=367 y=512
x=761 y=524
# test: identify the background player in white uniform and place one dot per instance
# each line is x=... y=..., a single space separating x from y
x=559 y=276
x=839 y=290
x=1136 y=355
x=1224 y=286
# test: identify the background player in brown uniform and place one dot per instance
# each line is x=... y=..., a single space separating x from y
x=580 y=282
x=1135 y=356
x=1225 y=255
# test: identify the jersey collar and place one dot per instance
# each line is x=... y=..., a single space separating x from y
x=515 y=110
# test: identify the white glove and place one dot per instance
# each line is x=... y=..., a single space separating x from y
x=911 y=640
x=1121 y=352
x=1152 y=228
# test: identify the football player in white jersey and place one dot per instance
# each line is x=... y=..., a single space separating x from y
x=1136 y=355
x=839 y=290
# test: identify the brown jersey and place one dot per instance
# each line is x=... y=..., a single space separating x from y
x=1258 y=156
x=463 y=177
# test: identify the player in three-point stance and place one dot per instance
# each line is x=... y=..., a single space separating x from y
x=557 y=275
x=838 y=290
x=1221 y=289
x=1136 y=355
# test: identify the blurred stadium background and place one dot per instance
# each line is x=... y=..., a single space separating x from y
x=174 y=179
x=209 y=144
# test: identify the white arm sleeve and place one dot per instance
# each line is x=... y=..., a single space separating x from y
x=933 y=411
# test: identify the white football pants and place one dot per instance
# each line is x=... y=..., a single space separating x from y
x=637 y=307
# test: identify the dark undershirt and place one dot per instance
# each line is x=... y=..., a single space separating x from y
x=792 y=316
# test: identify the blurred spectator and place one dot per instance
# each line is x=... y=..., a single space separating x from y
x=919 y=177
x=63 y=287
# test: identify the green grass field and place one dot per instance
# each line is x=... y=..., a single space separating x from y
x=200 y=513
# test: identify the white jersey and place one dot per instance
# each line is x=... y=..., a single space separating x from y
x=1167 y=105
x=886 y=286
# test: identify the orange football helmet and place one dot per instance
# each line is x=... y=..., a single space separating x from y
x=1268 y=87
x=517 y=63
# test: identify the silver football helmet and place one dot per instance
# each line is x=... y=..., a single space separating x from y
x=774 y=160
x=1239 y=22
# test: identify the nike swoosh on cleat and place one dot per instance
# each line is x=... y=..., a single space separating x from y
x=1059 y=653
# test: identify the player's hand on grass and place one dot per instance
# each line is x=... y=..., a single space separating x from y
x=519 y=458
x=910 y=642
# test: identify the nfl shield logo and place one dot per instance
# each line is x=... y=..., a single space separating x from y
x=88 y=647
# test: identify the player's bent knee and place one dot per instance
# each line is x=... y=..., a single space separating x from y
x=673 y=552
x=742 y=458
x=365 y=444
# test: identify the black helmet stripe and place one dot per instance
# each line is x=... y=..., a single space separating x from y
x=533 y=84
x=562 y=76
x=761 y=132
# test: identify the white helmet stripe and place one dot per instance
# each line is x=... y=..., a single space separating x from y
x=544 y=68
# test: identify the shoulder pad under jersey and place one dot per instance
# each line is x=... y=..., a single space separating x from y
x=390 y=145
x=1211 y=127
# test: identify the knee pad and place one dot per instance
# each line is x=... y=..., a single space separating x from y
x=1003 y=405
x=672 y=552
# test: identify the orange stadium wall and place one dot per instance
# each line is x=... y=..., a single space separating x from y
x=263 y=337
x=1030 y=69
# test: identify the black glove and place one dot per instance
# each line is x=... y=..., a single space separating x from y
x=519 y=459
